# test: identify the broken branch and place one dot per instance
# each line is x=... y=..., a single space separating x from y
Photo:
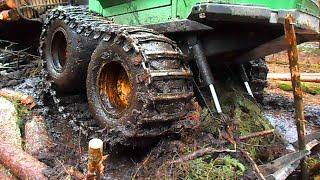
x=201 y=153
x=256 y=134
x=253 y=164
x=76 y=174
x=22 y=98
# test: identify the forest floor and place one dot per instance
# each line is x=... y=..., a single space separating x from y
x=189 y=154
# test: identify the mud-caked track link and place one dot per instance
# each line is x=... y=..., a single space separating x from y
x=258 y=71
x=162 y=80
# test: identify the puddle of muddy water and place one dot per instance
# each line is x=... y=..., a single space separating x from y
x=284 y=121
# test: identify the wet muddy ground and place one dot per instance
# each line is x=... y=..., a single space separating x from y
x=278 y=108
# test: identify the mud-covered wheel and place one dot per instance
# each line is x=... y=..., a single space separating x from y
x=67 y=55
x=257 y=71
x=121 y=94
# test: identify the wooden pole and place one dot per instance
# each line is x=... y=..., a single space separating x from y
x=95 y=160
x=296 y=85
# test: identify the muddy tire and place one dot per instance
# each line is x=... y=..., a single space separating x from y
x=131 y=85
x=66 y=54
x=257 y=71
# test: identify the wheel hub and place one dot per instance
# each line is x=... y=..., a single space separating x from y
x=59 y=50
x=115 y=87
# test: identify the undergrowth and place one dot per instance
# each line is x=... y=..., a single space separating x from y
x=22 y=111
x=208 y=168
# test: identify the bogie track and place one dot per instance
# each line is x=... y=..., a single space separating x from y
x=161 y=91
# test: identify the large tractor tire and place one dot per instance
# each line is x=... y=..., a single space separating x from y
x=66 y=53
x=137 y=78
x=257 y=71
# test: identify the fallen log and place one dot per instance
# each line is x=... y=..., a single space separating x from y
x=256 y=134
x=22 y=98
x=37 y=141
x=21 y=163
x=305 y=77
x=9 y=129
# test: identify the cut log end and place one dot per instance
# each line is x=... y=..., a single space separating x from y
x=96 y=144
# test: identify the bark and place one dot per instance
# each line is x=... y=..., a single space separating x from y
x=76 y=174
x=5 y=174
x=20 y=163
x=9 y=130
x=95 y=159
x=37 y=141
x=22 y=98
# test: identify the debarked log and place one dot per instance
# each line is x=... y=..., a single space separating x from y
x=21 y=163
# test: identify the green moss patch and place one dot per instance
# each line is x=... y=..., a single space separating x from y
x=243 y=115
x=307 y=87
x=22 y=111
x=208 y=168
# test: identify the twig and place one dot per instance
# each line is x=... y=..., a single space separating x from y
x=196 y=154
x=201 y=153
x=75 y=173
x=20 y=52
x=256 y=134
x=253 y=164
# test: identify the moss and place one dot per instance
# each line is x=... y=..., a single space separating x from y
x=22 y=111
x=242 y=111
x=310 y=88
x=220 y=168
x=312 y=161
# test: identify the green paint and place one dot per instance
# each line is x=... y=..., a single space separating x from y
x=139 y=12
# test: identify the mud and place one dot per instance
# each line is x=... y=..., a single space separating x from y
x=280 y=112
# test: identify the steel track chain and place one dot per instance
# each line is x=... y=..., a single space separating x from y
x=87 y=24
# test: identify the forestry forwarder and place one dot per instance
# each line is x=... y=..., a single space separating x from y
x=139 y=59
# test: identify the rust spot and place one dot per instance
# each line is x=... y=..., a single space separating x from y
x=115 y=87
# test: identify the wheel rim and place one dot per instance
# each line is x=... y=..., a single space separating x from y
x=114 y=87
x=59 y=50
